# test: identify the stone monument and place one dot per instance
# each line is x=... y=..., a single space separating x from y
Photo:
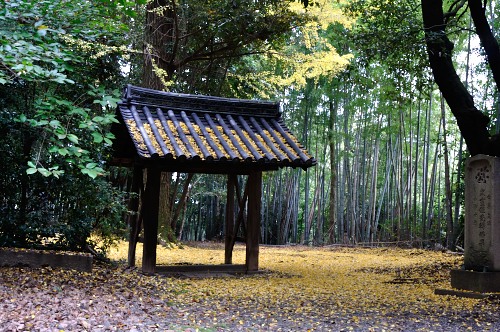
x=481 y=271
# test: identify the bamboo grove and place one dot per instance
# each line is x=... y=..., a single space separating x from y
x=353 y=79
x=390 y=157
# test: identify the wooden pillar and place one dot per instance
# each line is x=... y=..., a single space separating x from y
x=229 y=236
x=253 y=220
x=150 y=207
x=134 y=219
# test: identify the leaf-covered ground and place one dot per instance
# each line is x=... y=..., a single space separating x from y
x=317 y=289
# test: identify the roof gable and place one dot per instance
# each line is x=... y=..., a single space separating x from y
x=179 y=128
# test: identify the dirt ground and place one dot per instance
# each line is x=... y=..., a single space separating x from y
x=301 y=289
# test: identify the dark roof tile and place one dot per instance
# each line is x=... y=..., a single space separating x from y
x=184 y=128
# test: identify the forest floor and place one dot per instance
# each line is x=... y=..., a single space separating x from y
x=300 y=289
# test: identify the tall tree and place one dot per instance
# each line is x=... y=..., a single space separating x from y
x=472 y=122
x=190 y=45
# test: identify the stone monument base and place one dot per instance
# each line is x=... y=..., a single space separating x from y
x=482 y=282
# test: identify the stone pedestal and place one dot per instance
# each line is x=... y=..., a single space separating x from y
x=482 y=227
x=482 y=282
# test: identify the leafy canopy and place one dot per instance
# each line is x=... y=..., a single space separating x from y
x=59 y=70
x=58 y=57
x=306 y=52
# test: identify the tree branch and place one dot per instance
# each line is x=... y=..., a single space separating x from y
x=454 y=8
x=472 y=122
x=488 y=41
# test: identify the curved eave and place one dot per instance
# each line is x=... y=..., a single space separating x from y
x=195 y=138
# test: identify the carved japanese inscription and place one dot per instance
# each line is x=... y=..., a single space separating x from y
x=482 y=220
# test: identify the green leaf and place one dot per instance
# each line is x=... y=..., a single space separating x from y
x=63 y=151
x=45 y=172
x=31 y=171
x=90 y=172
x=42 y=32
x=63 y=102
x=31 y=164
x=55 y=123
x=97 y=137
x=73 y=138
x=42 y=123
x=59 y=79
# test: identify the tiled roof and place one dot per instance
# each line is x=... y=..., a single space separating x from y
x=194 y=128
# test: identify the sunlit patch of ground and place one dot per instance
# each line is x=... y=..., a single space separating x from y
x=326 y=288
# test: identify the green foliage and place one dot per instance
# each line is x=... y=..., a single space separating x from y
x=61 y=212
x=201 y=42
x=61 y=67
x=307 y=52
x=55 y=90
x=385 y=30
x=59 y=78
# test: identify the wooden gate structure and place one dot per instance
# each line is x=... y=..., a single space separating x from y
x=170 y=132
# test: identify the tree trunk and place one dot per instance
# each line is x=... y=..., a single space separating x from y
x=471 y=122
x=332 y=212
x=27 y=139
x=450 y=240
x=182 y=202
x=158 y=33
x=372 y=228
x=416 y=166
x=425 y=172
x=488 y=40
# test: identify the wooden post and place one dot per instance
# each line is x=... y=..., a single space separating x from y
x=253 y=220
x=150 y=207
x=228 y=239
x=134 y=219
